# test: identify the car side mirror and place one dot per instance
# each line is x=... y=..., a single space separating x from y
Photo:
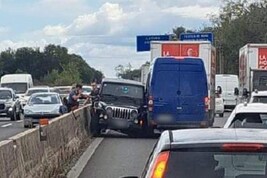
x=236 y=91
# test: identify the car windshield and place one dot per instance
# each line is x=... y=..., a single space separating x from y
x=120 y=90
x=44 y=99
x=32 y=91
x=250 y=120
x=216 y=164
x=259 y=99
x=5 y=94
x=19 y=88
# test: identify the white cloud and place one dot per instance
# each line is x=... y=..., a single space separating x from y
x=4 y=30
x=195 y=11
x=106 y=37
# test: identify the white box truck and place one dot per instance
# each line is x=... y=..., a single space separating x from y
x=201 y=49
x=144 y=73
x=20 y=83
x=252 y=68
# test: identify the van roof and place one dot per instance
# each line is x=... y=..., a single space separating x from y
x=8 y=78
x=123 y=81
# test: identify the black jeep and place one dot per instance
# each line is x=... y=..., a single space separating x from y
x=120 y=107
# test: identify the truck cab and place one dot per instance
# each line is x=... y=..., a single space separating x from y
x=20 y=83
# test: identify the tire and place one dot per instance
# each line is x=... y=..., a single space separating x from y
x=26 y=126
x=221 y=115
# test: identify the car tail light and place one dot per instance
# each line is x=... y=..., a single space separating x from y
x=207 y=103
x=242 y=147
x=160 y=165
x=150 y=103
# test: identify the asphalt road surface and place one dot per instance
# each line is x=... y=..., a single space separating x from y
x=10 y=128
x=119 y=156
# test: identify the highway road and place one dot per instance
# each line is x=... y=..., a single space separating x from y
x=122 y=156
x=10 y=128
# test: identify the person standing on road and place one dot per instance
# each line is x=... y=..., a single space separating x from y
x=74 y=95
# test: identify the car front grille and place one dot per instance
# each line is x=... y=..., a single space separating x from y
x=2 y=106
x=122 y=113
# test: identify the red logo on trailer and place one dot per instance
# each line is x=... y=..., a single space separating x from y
x=180 y=50
x=262 y=58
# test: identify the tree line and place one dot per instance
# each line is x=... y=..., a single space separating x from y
x=51 y=66
x=239 y=22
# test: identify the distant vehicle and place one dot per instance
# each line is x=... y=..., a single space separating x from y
x=252 y=68
x=63 y=90
x=20 y=83
x=200 y=49
x=258 y=97
x=42 y=105
x=9 y=104
x=230 y=91
x=219 y=105
x=177 y=94
x=124 y=102
x=251 y=115
x=30 y=91
x=87 y=90
x=208 y=153
x=144 y=73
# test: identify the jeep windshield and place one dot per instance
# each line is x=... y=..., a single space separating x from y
x=123 y=94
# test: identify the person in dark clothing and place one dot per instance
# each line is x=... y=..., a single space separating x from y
x=94 y=93
x=74 y=95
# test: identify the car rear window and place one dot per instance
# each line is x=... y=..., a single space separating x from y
x=204 y=164
x=259 y=99
x=250 y=120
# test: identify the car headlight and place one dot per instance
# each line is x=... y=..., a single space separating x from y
x=134 y=114
x=27 y=111
x=109 y=112
x=55 y=111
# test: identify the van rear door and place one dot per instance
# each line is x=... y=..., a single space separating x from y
x=193 y=90
x=166 y=82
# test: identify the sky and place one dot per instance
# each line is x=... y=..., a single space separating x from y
x=103 y=32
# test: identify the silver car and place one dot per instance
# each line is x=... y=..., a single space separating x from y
x=42 y=105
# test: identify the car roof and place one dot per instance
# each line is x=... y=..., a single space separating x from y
x=123 y=81
x=251 y=108
x=37 y=88
x=45 y=93
x=259 y=93
x=5 y=88
x=213 y=135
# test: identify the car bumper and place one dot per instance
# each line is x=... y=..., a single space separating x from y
x=34 y=119
x=219 y=109
x=119 y=124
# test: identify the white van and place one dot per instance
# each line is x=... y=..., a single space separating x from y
x=20 y=83
x=229 y=85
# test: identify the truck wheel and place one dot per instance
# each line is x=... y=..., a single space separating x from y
x=221 y=115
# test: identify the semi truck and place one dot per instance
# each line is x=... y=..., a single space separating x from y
x=201 y=50
x=252 y=68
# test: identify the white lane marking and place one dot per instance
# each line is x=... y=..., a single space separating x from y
x=81 y=163
x=6 y=125
x=19 y=121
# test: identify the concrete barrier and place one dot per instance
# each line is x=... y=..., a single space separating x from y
x=24 y=155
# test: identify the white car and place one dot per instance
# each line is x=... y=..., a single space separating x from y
x=258 y=97
x=219 y=105
x=248 y=115
x=33 y=90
